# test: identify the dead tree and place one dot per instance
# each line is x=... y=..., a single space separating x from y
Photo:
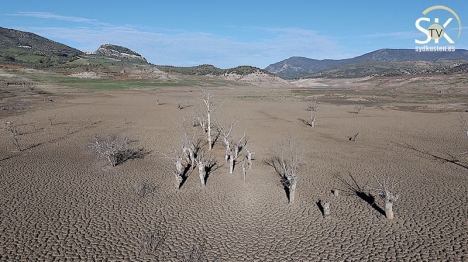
x=326 y=209
x=312 y=107
x=51 y=118
x=244 y=171
x=386 y=191
x=112 y=148
x=231 y=161
x=358 y=108
x=206 y=97
x=177 y=158
x=190 y=145
x=249 y=158
x=239 y=145
x=225 y=131
x=204 y=164
x=199 y=119
x=12 y=129
x=179 y=106
x=353 y=138
x=286 y=160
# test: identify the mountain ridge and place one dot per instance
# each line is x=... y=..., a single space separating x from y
x=302 y=67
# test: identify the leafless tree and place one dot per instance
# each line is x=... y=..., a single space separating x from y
x=199 y=119
x=204 y=164
x=358 y=108
x=244 y=171
x=51 y=118
x=353 y=138
x=176 y=158
x=179 y=106
x=225 y=131
x=326 y=209
x=386 y=191
x=249 y=158
x=312 y=107
x=205 y=96
x=190 y=146
x=239 y=145
x=12 y=129
x=112 y=148
x=286 y=160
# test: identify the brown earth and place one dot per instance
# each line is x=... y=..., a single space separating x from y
x=59 y=202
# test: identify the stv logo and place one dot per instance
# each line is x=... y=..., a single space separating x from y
x=436 y=31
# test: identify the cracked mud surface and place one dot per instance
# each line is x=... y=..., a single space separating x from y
x=58 y=202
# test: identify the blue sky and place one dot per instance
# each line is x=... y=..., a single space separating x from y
x=231 y=33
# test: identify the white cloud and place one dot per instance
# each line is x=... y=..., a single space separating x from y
x=46 y=15
x=182 y=48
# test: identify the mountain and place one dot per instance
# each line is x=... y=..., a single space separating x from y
x=301 y=67
x=119 y=52
x=18 y=44
x=212 y=70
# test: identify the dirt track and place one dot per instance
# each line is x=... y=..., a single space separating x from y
x=59 y=202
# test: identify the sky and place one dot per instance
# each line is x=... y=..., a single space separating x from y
x=232 y=33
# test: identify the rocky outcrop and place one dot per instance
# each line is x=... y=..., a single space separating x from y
x=119 y=52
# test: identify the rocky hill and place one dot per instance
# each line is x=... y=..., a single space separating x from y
x=301 y=67
x=119 y=52
x=15 y=43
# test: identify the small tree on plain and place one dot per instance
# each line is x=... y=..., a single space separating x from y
x=286 y=160
x=358 y=108
x=244 y=171
x=51 y=118
x=12 y=129
x=204 y=163
x=386 y=191
x=312 y=107
x=178 y=172
x=199 y=119
x=249 y=158
x=206 y=97
x=190 y=145
x=225 y=131
x=239 y=145
x=112 y=148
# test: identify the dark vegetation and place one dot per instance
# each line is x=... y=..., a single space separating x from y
x=212 y=70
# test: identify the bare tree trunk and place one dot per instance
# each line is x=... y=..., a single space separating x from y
x=292 y=191
x=210 y=145
x=192 y=157
x=312 y=118
x=179 y=165
x=326 y=210
x=244 y=172
x=228 y=150
x=249 y=158
x=231 y=164
x=202 y=172
x=178 y=179
x=389 y=209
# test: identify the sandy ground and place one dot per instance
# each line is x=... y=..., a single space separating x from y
x=59 y=202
